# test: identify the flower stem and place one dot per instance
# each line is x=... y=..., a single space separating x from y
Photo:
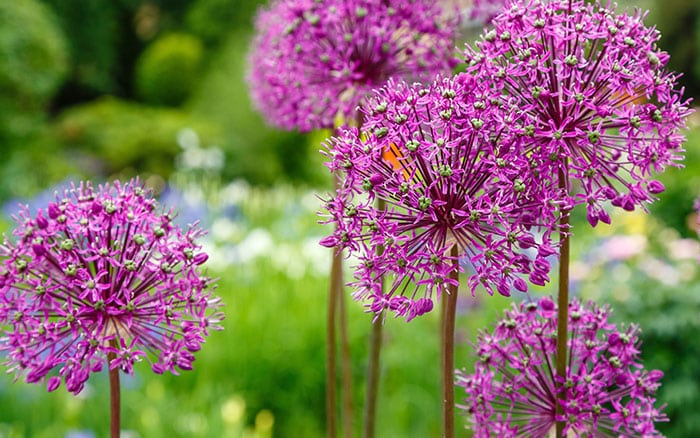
x=448 y=351
x=375 y=348
x=114 y=398
x=336 y=278
x=372 y=379
x=336 y=306
x=346 y=375
x=563 y=311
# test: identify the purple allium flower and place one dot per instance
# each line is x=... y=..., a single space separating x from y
x=440 y=159
x=314 y=62
x=512 y=390
x=97 y=273
x=604 y=111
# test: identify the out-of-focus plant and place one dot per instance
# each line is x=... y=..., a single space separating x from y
x=212 y=20
x=115 y=134
x=676 y=202
x=650 y=274
x=253 y=151
x=105 y=39
x=679 y=22
x=92 y=32
x=169 y=68
x=33 y=63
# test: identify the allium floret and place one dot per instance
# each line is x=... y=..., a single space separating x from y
x=603 y=109
x=97 y=273
x=513 y=387
x=312 y=63
x=434 y=167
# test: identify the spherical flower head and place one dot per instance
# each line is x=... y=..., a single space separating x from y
x=513 y=387
x=312 y=63
x=604 y=110
x=102 y=277
x=432 y=169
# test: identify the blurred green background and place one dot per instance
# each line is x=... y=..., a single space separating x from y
x=105 y=89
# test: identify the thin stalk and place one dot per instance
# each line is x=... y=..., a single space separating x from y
x=372 y=380
x=563 y=312
x=448 y=351
x=373 y=367
x=336 y=284
x=346 y=375
x=114 y=399
x=443 y=344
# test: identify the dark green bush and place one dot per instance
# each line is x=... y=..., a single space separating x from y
x=33 y=63
x=679 y=23
x=93 y=33
x=169 y=69
x=213 y=20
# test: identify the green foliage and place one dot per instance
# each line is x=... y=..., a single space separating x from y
x=92 y=30
x=169 y=69
x=112 y=135
x=650 y=276
x=26 y=170
x=254 y=151
x=33 y=63
x=678 y=21
x=212 y=20
x=682 y=185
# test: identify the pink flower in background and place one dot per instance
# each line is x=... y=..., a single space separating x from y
x=512 y=390
x=102 y=272
x=621 y=248
x=312 y=63
x=484 y=11
x=603 y=111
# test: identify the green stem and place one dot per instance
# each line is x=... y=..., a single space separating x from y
x=346 y=375
x=448 y=351
x=336 y=284
x=372 y=380
x=373 y=367
x=331 y=346
x=114 y=399
x=563 y=311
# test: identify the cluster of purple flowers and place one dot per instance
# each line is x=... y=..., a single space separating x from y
x=437 y=167
x=602 y=108
x=101 y=272
x=312 y=63
x=562 y=103
x=512 y=391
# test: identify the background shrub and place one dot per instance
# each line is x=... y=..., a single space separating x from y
x=33 y=64
x=169 y=68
